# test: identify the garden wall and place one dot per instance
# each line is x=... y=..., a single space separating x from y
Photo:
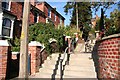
x=109 y=57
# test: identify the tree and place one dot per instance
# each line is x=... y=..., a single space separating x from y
x=84 y=12
x=104 y=6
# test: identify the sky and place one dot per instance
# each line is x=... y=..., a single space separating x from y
x=59 y=7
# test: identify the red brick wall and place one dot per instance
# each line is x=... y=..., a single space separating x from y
x=16 y=9
x=57 y=21
x=52 y=15
x=42 y=19
x=35 y=59
x=109 y=58
x=31 y=18
x=46 y=11
x=4 y=51
x=40 y=6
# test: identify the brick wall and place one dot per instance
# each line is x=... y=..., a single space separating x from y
x=31 y=18
x=16 y=9
x=37 y=57
x=42 y=19
x=109 y=57
x=4 y=57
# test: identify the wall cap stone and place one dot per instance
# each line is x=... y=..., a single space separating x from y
x=68 y=36
x=4 y=43
x=15 y=53
x=111 y=36
x=35 y=43
x=52 y=40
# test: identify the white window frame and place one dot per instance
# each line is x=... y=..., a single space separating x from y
x=37 y=17
x=55 y=17
x=12 y=23
x=47 y=20
x=9 y=5
x=49 y=12
x=60 y=21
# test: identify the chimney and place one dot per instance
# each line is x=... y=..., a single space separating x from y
x=54 y=8
x=33 y=2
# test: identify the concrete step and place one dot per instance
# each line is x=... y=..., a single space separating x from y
x=48 y=70
x=80 y=76
x=85 y=74
x=53 y=56
x=50 y=62
x=78 y=68
x=45 y=75
x=81 y=65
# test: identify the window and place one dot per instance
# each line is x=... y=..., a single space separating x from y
x=60 y=21
x=55 y=17
x=6 y=27
x=36 y=17
x=49 y=13
x=6 y=5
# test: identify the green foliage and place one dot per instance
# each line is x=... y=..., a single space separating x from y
x=110 y=31
x=113 y=24
x=16 y=45
x=70 y=31
x=43 y=32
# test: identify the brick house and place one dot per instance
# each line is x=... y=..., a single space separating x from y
x=39 y=12
x=51 y=13
x=11 y=26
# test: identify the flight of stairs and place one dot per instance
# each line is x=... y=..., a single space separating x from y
x=50 y=68
x=80 y=66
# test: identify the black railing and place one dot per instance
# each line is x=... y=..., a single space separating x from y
x=61 y=61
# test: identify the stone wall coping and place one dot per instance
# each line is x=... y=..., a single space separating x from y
x=35 y=43
x=111 y=36
x=15 y=53
x=75 y=33
x=52 y=40
x=4 y=43
x=68 y=36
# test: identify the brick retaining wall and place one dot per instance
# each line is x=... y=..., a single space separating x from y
x=109 y=57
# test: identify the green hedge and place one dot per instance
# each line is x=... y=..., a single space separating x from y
x=43 y=32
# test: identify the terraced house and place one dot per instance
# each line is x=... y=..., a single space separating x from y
x=12 y=14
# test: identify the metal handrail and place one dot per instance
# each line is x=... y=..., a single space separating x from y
x=65 y=52
x=61 y=60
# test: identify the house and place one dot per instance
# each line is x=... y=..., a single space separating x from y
x=12 y=14
x=51 y=13
x=94 y=21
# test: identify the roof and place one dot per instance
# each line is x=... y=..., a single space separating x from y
x=54 y=10
x=8 y=12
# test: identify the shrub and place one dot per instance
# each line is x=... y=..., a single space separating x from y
x=16 y=45
x=43 y=32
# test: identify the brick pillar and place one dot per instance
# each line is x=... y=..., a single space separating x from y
x=34 y=50
x=4 y=51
